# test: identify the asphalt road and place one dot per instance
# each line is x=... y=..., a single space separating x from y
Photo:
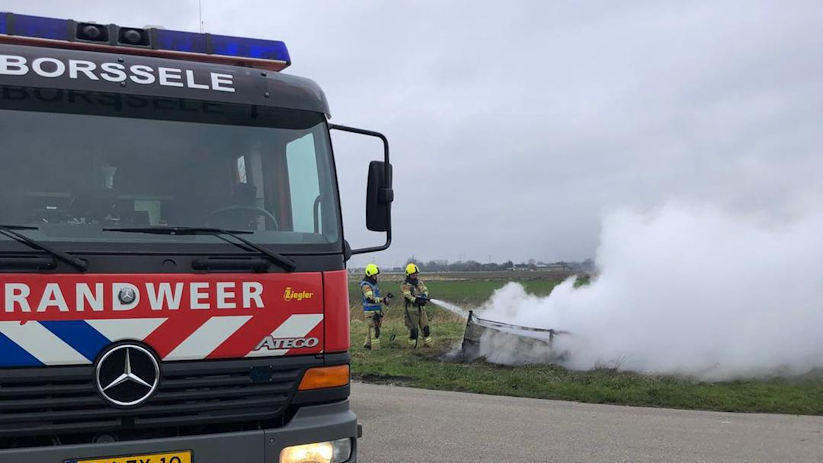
x=413 y=425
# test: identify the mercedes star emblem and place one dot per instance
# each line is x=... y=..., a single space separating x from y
x=127 y=375
x=126 y=295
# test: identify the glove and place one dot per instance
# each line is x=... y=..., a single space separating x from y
x=386 y=300
x=420 y=300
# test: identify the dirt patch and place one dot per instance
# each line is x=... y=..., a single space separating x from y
x=383 y=379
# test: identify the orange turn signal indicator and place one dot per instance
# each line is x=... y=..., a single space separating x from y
x=325 y=377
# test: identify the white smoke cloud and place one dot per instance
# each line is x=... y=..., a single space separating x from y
x=689 y=290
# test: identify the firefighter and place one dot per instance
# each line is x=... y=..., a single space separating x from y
x=415 y=297
x=373 y=307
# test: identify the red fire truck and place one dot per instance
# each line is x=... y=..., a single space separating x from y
x=172 y=261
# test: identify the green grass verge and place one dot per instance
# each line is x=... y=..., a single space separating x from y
x=427 y=368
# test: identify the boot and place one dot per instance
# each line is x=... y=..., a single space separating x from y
x=375 y=344
x=412 y=343
x=428 y=342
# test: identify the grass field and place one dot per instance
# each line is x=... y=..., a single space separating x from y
x=431 y=368
x=462 y=292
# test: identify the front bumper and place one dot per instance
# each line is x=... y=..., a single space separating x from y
x=310 y=424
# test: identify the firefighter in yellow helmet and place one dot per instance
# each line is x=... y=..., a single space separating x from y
x=415 y=297
x=373 y=304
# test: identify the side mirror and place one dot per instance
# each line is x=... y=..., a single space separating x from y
x=379 y=192
x=379 y=196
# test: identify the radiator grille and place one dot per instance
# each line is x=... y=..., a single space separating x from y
x=63 y=400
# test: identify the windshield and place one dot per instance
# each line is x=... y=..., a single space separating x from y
x=75 y=163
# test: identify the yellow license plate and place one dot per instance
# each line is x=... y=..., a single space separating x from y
x=171 y=457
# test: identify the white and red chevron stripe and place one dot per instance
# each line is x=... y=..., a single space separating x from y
x=70 y=319
x=50 y=344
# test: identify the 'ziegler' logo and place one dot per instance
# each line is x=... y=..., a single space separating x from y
x=271 y=343
x=290 y=295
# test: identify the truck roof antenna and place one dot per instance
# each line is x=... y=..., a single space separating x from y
x=202 y=27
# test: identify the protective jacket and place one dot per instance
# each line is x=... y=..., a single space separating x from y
x=371 y=296
x=412 y=288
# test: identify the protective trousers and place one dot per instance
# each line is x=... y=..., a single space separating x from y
x=373 y=321
x=417 y=321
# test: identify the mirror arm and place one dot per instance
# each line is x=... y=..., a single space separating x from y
x=385 y=195
x=369 y=133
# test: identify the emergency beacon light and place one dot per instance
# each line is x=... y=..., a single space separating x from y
x=66 y=33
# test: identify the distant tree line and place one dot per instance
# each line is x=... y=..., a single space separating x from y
x=441 y=265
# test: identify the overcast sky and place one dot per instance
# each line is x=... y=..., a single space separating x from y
x=515 y=125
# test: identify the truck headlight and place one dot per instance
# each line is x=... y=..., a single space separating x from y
x=338 y=451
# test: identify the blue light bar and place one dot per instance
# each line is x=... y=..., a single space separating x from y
x=266 y=54
x=188 y=42
x=250 y=48
x=39 y=27
x=222 y=45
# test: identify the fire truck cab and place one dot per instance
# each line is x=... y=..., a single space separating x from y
x=173 y=284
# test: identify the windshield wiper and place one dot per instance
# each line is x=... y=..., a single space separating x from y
x=76 y=262
x=282 y=261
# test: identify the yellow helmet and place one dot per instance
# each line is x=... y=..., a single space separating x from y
x=372 y=270
x=411 y=269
